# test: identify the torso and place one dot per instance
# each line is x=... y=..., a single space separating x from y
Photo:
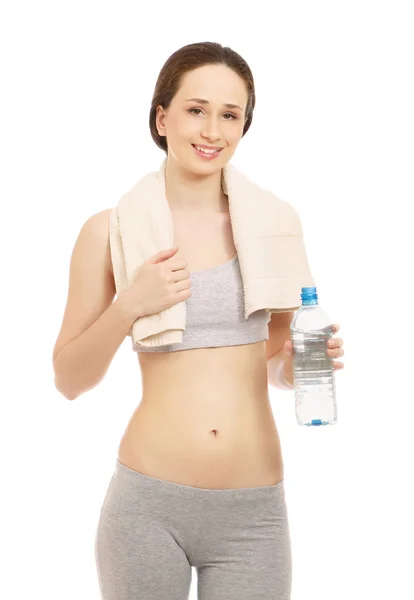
x=205 y=418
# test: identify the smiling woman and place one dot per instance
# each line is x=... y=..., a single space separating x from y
x=204 y=149
x=199 y=477
x=214 y=97
x=203 y=120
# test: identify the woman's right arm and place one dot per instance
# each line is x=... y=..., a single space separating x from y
x=94 y=326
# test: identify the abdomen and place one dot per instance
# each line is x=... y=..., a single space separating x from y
x=205 y=419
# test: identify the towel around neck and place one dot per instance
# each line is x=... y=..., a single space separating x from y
x=267 y=234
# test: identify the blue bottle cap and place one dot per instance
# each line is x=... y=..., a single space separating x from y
x=309 y=295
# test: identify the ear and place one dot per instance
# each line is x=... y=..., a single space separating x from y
x=160 y=121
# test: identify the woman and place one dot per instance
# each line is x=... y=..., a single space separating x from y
x=199 y=474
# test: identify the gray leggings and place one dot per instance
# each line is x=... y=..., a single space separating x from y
x=151 y=532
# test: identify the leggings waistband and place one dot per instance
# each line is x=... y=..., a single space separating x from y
x=152 y=483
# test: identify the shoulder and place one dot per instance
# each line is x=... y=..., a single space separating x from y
x=275 y=208
x=97 y=226
x=95 y=232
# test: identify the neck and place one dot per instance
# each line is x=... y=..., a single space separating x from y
x=191 y=192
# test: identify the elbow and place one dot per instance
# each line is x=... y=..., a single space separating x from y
x=70 y=392
x=271 y=379
x=279 y=385
x=275 y=383
x=275 y=377
x=66 y=393
x=274 y=368
x=65 y=382
x=65 y=385
x=60 y=384
x=271 y=382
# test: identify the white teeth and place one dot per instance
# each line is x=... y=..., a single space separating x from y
x=205 y=150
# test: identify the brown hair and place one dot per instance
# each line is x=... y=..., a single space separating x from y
x=191 y=57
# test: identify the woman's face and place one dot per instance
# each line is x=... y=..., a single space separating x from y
x=188 y=122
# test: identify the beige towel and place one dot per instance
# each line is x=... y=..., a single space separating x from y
x=267 y=234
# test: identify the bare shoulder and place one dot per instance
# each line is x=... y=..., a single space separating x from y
x=96 y=235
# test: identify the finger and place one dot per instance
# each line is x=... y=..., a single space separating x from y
x=180 y=274
x=162 y=255
x=335 y=328
x=337 y=364
x=337 y=352
x=335 y=343
x=180 y=286
x=177 y=264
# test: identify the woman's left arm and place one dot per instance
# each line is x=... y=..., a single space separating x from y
x=279 y=361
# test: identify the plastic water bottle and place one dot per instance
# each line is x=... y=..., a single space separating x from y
x=313 y=372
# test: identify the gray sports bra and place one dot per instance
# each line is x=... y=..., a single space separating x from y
x=215 y=312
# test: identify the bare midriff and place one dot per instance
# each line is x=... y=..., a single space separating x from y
x=205 y=419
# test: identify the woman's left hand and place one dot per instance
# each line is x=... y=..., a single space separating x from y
x=334 y=348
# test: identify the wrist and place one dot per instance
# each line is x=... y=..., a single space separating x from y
x=130 y=310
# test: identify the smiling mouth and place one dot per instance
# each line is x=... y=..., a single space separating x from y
x=207 y=151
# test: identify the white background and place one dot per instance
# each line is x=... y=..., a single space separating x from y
x=332 y=134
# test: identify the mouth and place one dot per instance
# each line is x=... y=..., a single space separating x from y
x=206 y=152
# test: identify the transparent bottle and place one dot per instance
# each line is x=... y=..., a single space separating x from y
x=313 y=372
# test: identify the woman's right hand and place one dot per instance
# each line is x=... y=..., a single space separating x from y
x=161 y=282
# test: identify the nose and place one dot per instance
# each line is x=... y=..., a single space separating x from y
x=211 y=130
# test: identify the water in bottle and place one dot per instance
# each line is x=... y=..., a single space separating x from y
x=313 y=372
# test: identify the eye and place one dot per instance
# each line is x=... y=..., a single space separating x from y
x=233 y=117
